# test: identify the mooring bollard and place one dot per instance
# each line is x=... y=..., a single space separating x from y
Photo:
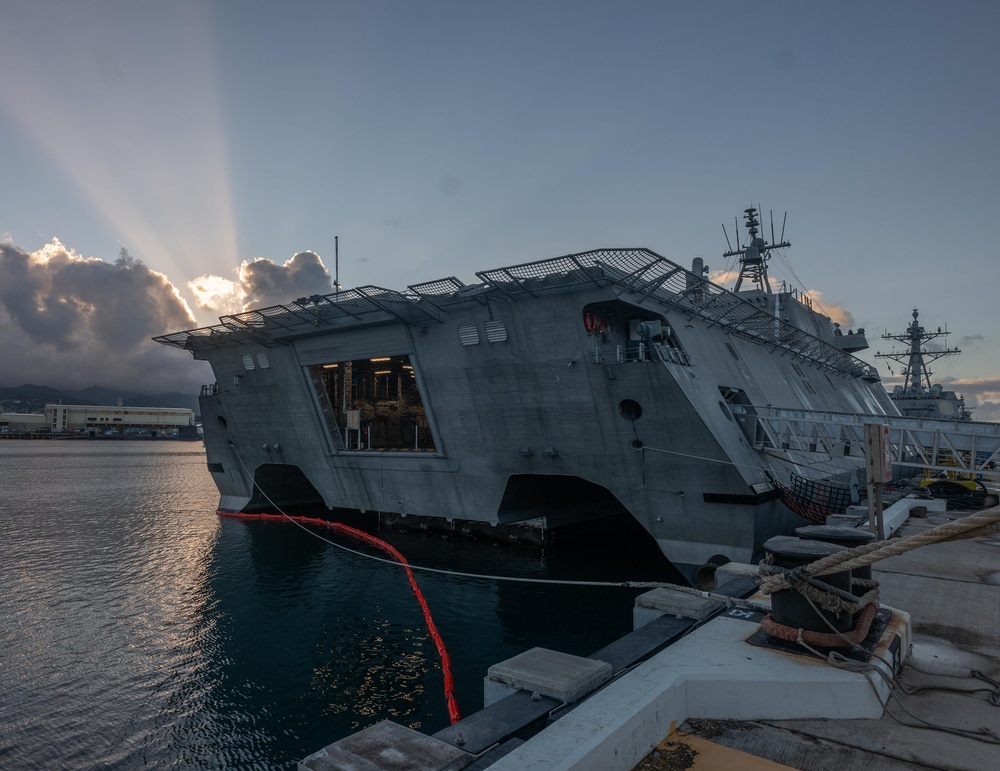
x=849 y=538
x=789 y=607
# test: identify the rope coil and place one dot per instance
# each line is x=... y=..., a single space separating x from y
x=823 y=639
x=804 y=580
x=981 y=523
x=829 y=598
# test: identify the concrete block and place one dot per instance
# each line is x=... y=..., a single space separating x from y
x=855 y=516
x=938 y=505
x=387 y=746
x=732 y=570
x=894 y=516
x=663 y=601
x=710 y=674
x=549 y=673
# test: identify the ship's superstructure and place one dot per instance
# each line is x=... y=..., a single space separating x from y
x=554 y=392
x=917 y=397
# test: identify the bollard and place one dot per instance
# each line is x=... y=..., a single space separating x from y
x=790 y=608
x=848 y=537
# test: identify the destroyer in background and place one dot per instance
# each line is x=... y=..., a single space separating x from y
x=917 y=398
x=553 y=393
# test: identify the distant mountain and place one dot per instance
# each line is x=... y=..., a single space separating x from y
x=101 y=395
x=169 y=399
x=95 y=395
x=37 y=393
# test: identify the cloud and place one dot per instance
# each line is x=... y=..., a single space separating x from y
x=837 y=313
x=267 y=283
x=971 y=339
x=216 y=293
x=986 y=411
x=261 y=283
x=726 y=278
x=69 y=321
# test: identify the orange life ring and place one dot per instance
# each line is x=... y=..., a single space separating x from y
x=589 y=322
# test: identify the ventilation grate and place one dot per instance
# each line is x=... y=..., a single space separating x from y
x=468 y=334
x=496 y=331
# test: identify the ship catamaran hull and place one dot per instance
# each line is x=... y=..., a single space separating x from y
x=557 y=391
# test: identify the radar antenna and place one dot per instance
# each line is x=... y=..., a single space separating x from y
x=915 y=360
x=754 y=256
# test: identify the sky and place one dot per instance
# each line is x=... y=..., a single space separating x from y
x=224 y=144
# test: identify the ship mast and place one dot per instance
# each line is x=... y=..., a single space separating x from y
x=915 y=360
x=754 y=256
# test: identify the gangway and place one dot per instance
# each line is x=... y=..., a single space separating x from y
x=960 y=446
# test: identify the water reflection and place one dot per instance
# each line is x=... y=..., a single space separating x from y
x=140 y=629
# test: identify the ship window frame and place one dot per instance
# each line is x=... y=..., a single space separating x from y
x=387 y=400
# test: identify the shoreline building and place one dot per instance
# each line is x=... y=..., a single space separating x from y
x=96 y=420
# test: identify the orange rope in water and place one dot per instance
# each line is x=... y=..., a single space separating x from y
x=449 y=682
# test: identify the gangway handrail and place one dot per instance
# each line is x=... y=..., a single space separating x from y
x=962 y=446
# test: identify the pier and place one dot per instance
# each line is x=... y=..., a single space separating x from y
x=693 y=687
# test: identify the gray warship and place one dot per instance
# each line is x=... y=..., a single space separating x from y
x=571 y=391
x=917 y=397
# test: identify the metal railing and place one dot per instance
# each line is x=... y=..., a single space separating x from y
x=965 y=447
x=640 y=352
x=640 y=272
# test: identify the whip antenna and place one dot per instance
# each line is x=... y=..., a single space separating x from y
x=727 y=236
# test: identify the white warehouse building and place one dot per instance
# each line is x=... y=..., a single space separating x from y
x=81 y=418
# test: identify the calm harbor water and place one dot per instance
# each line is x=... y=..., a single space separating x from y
x=140 y=629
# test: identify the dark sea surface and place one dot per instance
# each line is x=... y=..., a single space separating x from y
x=139 y=629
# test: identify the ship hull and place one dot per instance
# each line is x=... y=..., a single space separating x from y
x=554 y=408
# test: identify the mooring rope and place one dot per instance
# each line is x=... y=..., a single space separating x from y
x=399 y=560
x=771 y=580
x=730 y=602
x=830 y=598
x=836 y=659
x=981 y=523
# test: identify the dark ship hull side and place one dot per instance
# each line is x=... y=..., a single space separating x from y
x=561 y=409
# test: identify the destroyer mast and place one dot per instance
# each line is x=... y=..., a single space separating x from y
x=917 y=397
